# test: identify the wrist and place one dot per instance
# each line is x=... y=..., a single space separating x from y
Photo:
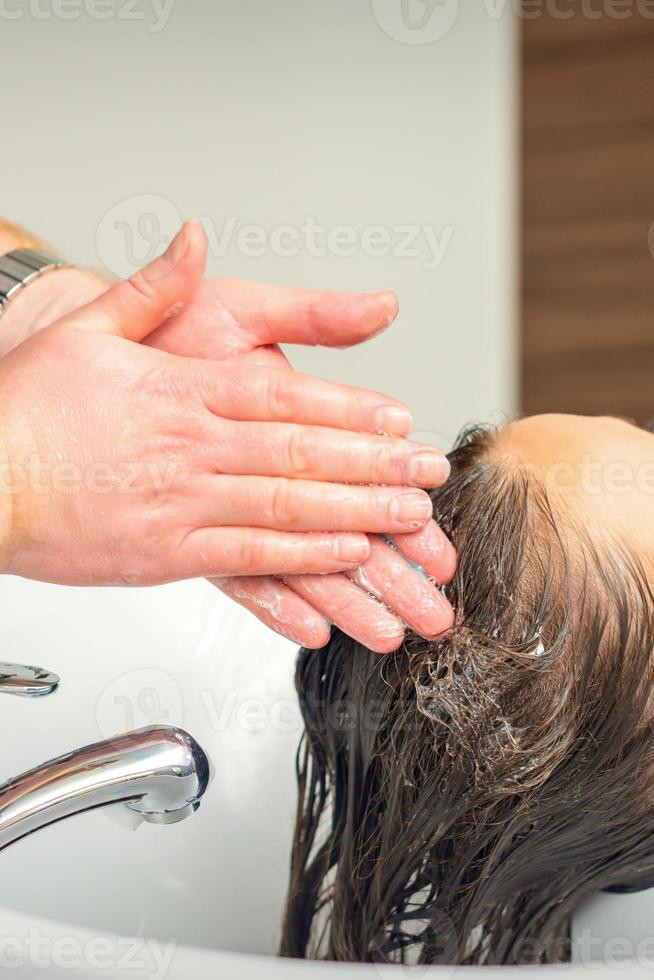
x=10 y=479
x=46 y=299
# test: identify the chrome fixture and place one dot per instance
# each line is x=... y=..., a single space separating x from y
x=159 y=772
x=27 y=682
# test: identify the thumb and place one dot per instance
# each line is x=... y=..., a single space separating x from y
x=135 y=307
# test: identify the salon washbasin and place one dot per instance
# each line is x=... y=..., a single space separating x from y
x=92 y=896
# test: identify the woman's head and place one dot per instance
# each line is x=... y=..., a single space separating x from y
x=459 y=798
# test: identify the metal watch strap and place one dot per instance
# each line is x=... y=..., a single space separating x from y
x=20 y=267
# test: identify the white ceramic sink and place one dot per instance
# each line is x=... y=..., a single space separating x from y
x=93 y=897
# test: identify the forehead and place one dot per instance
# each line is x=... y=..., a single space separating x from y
x=601 y=469
x=542 y=440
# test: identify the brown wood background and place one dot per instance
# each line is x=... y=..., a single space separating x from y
x=588 y=205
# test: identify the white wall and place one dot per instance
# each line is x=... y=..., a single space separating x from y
x=272 y=111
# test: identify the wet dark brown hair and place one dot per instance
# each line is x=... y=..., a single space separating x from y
x=458 y=799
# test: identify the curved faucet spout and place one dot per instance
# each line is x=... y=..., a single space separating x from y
x=160 y=772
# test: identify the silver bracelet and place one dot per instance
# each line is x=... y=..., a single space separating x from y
x=22 y=266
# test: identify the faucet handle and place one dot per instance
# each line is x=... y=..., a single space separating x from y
x=26 y=681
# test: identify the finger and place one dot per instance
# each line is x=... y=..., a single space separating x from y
x=134 y=307
x=303 y=505
x=271 y=357
x=316 y=453
x=431 y=549
x=278 y=607
x=414 y=598
x=244 y=393
x=284 y=315
x=354 y=611
x=213 y=552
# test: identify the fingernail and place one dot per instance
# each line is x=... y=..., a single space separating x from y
x=177 y=248
x=446 y=623
x=392 y=306
x=437 y=613
x=354 y=550
x=429 y=469
x=394 y=420
x=412 y=509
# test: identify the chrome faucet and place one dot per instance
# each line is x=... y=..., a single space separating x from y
x=27 y=682
x=159 y=772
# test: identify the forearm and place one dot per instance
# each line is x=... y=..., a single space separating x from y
x=48 y=298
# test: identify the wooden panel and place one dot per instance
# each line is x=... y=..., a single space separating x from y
x=588 y=206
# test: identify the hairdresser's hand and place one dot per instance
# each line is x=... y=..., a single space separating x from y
x=231 y=318
x=126 y=464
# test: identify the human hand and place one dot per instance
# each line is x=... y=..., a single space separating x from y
x=228 y=318
x=124 y=464
x=243 y=320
